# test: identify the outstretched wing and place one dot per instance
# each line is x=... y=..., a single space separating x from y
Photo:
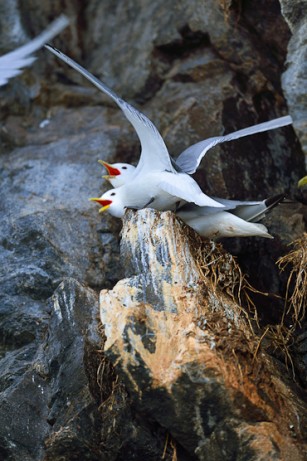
x=12 y=63
x=185 y=188
x=191 y=157
x=154 y=155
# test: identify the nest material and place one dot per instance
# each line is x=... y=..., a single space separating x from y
x=296 y=292
x=224 y=273
x=222 y=270
x=280 y=337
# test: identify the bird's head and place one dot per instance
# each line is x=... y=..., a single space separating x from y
x=118 y=173
x=111 y=201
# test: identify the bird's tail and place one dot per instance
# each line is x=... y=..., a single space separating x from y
x=268 y=205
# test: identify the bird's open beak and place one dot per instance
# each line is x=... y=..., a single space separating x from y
x=104 y=203
x=113 y=172
x=302 y=182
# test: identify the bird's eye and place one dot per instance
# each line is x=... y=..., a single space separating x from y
x=124 y=168
x=113 y=193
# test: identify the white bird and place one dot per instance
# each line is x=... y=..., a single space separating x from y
x=155 y=180
x=253 y=211
x=238 y=219
x=219 y=224
x=12 y=62
x=189 y=160
x=234 y=221
x=158 y=180
x=162 y=190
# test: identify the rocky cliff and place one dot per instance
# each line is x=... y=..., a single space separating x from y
x=173 y=366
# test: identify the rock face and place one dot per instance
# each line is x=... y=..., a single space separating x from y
x=294 y=78
x=185 y=352
x=43 y=410
x=197 y=70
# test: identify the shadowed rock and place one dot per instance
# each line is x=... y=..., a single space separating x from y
x=48 y=407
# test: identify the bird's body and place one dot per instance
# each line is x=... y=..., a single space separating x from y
x=237 y=219
x=219 y=224
x=159 y=190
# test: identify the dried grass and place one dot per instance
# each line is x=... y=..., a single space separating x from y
x=296 y=292
x=223 y=272
x=170 y=444
x=280 y=337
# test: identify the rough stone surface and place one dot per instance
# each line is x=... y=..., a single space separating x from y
x=294 y=78
x=197 y=70
x=185 y=352
x=43 y=409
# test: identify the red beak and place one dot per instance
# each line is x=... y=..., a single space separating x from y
x=110 y=169
x=104 y=203
x=101 y=202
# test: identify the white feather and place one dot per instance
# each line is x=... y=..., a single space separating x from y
x=224 y=224
x=154 y=154
x=12 y=62
x=191 y=157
